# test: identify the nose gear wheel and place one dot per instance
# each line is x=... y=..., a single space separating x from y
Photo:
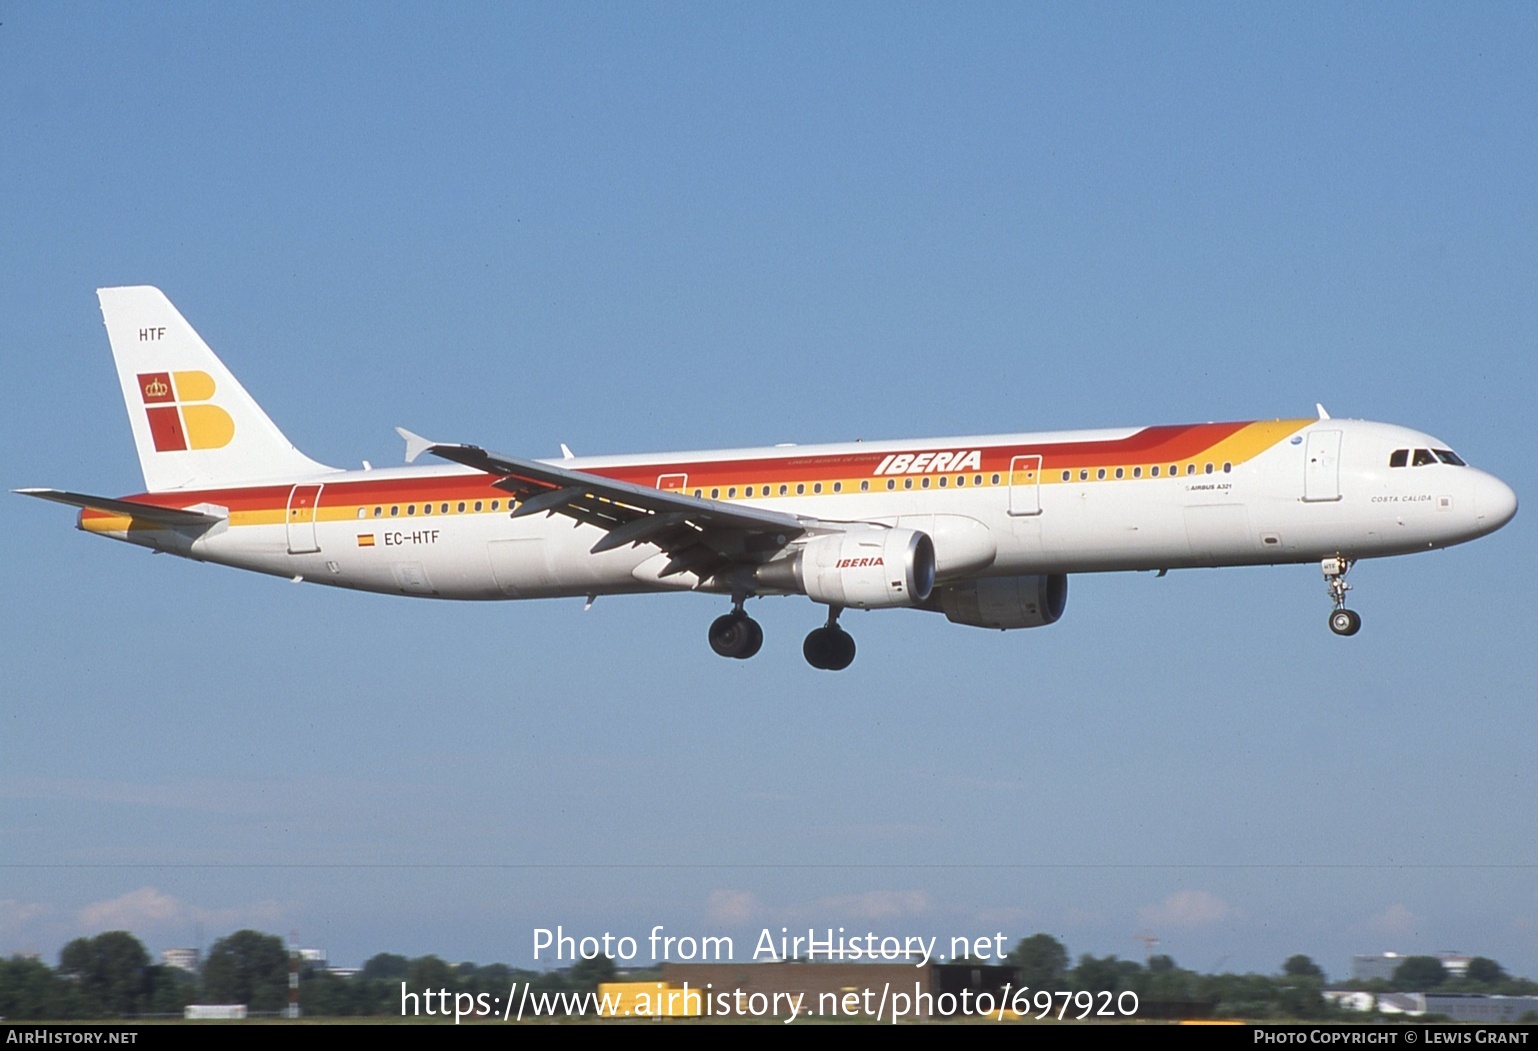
x=1343 y=621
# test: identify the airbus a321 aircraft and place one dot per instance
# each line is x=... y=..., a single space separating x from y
x=985 y=530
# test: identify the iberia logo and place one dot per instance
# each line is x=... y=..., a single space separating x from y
x=179 y=419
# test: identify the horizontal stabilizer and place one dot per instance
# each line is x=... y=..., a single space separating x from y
x=170 y=516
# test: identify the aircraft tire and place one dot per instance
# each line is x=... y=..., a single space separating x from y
x=828 y=649
x=736 y=635
x=755 y=639
x=1345 y=622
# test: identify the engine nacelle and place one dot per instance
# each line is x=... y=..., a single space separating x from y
x=1003 y=602
x=871 y=568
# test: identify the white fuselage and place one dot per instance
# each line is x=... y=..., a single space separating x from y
x=1298 y=491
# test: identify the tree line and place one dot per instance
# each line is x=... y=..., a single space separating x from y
x=1297 y=992
x=112 y=976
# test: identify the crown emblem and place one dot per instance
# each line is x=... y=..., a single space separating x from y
x=156 y=388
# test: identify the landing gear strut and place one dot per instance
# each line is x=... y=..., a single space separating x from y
x=1343 y=621
x=829 y=647
x=736 y=634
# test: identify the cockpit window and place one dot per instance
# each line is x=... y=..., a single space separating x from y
x=1423 y=457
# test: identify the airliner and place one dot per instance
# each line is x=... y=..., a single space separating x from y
x=984 y=530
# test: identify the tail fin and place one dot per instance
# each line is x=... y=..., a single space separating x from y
x=193 y=423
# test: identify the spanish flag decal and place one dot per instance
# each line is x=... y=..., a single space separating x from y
x=365 y=539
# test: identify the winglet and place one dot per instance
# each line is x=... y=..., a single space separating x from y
x=416 y=445
x=1323 y=415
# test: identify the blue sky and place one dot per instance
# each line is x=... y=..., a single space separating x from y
x=645 y=227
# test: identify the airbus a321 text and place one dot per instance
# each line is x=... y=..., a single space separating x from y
x=985 y=530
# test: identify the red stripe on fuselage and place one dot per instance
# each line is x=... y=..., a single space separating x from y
x=1151 y=445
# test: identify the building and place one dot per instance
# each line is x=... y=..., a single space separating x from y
x=1382 y=966
x=182 y=959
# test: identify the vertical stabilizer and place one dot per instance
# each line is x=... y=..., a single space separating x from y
x=194 y=424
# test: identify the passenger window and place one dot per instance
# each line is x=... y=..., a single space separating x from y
x=1067 y=475
x=784 y=489
x=838 y=487
x=800 y=488
x=995 y=480
x=977 y=479
x=943 y=481
x=1154 y=470
x=816 y=487
x=478 y=505
x=378 y=511
x=731 y=493
x=1120 y=472
x=907 y=483
x=865 y=486
x=925 y=482
x=1209 y=469
x=891 y=483
x=1227 y=466
x=444 y=509
x=411 y=509
x=1100 y=475
x=362 y=512
x=461 y=507
x=1190 y=468
x=495 y=504
x=715 y=493
x=395 y=510
x=427 y=509
x=1083 y=474
x=1137 y=472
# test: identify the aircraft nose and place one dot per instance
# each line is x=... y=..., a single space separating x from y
x=1495 y=503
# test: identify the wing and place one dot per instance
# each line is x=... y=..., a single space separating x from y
x=706 y=537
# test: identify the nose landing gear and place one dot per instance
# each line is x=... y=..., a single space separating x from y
x=1343 y=621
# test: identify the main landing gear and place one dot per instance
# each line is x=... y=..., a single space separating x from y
x=739 y=636
x=736 y=634
x=1343 y=621
x=829 y=647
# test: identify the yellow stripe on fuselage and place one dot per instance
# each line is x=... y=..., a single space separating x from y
x=1248 y=442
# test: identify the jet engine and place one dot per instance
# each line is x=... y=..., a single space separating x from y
x=872 y=568
x=1003 y=602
